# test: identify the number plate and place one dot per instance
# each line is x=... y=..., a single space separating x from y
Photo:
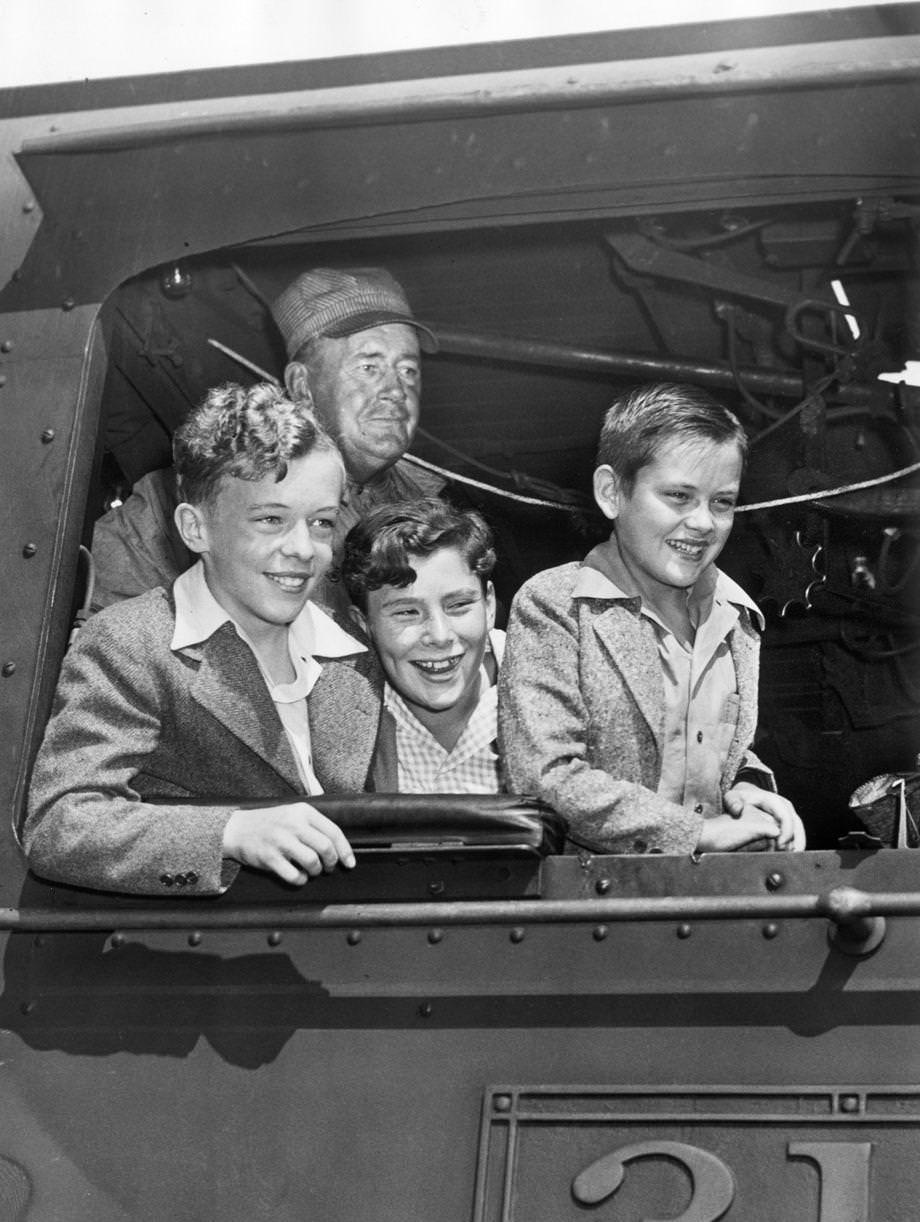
x=812 y=1154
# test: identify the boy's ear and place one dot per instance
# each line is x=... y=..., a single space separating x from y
x=191 y=525
x=297 y=383
x=359 y=619
x=607 y=491
x=490 y=605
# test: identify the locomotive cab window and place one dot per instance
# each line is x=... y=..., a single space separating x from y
x=471 y=335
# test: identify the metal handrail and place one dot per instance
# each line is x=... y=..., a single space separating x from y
x=846 y=907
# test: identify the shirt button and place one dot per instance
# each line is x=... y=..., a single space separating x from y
x=180 y=880
x=167 y=880
x=191 y=878
x=698 y=809
x=639 y=846
x=699 y=736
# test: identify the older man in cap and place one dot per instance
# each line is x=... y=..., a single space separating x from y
x=353 y=349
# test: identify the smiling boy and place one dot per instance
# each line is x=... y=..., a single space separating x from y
x=628 y=696
x=418 y=577
x=231 y=688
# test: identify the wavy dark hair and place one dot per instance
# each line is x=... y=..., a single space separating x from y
x=379 y=549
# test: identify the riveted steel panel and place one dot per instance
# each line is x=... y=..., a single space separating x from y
x=549 y=1154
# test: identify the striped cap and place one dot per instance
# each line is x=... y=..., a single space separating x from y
x=327 y=301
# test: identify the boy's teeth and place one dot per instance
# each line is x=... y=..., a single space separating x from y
x=288 y=583
x=438 y=668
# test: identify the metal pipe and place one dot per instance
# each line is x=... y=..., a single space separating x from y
x=842 y=905
x=458 y=342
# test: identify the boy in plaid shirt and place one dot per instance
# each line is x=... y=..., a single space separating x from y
x=418 y=574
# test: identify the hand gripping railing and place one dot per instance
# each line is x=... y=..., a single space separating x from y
x=857 y=917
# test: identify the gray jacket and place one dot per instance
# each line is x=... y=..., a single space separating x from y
x=581 y=716
x=133 y=720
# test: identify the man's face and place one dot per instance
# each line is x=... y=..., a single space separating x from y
x=266 y=543
x=679 y=514
x=431 y=635
x=365 y=391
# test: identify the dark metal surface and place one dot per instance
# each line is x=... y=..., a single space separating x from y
x=327 y=1054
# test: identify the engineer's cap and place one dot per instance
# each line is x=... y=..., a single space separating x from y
x=334 y=303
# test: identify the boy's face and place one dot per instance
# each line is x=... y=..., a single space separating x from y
x=679 y=514
x=266 y=543
x=431 y=635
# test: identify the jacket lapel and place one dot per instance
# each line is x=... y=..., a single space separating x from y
x=230 y=687
x=745 y=645
x=344 y=707
x=629 y=640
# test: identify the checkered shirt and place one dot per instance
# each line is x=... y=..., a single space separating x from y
x=471 y=767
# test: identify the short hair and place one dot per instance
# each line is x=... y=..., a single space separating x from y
x=247 y=433
x=640 y=422
x=379 y=548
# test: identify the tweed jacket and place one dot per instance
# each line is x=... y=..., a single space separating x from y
x=581 y=716
x=137 y=727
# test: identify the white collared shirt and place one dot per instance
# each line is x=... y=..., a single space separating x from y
x=199 y=615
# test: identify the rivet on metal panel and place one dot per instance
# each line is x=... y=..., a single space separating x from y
x=502 y=1103
x=684 y=931
x=849 y=1104
x=602 y=886
x=770 y=930
x=27 y=1007
x=435 y=936
x=774 y=881
x=599 y=933
x=353 y=937
x=194 y=939
x=118 y=939
x=425 y=1009
x=436 y=888
x=274 y=938
x=68 y=303
x=8 y=668
x=517 y=935
x=6 y=346
x=2 y=379
x=29 y=550
x=47 y=436
x=29 y=205
x=39 y=941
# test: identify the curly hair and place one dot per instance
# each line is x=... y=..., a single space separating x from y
x=243 y=432
x=639 y=423
x=380 y=547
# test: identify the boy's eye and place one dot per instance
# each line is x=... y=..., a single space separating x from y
x=409 y=372
x=458 y=608
x=322 y=528
x=269 y=519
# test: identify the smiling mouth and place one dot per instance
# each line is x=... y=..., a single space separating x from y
x=291 y=583
x=439 y=668
x=689 y=551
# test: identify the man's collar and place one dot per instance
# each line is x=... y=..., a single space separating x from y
x=199 y=615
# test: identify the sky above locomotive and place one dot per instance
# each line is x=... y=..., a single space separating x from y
x=96 y=39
